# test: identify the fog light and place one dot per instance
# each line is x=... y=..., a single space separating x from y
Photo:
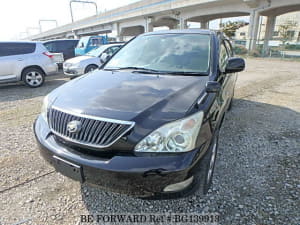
x=179 y=186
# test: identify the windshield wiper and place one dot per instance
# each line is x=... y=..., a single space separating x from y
x=136 y=69
x=185 y=73
x=151 y=71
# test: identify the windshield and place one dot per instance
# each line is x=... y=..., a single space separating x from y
x=96 y=41
x=82 y=42
x=186 y=53
x=97 y=51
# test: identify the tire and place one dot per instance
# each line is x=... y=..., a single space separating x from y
x=90 y=68
x=33 y=77
x=212 y=156
x=202 y=177
x=230 y=104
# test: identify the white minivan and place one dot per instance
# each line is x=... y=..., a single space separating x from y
x=29 y=62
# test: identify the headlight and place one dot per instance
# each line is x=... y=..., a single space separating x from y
x=67 y=64
x=178 y=136
x=45 y=106
x=75 y=65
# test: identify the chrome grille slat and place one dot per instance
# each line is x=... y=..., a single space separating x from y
x=64 y=127
x=84 y=125
x=55 y=122
x=99 y=128
x=105 y=135
x=109 y=132
x=99 y=139
x=60 y=122
x=89 y=126
x=115 y=132
x=95 y=131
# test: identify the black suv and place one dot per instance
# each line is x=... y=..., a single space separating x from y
x=147 y=123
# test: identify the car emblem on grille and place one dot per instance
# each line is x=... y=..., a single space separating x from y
x=74 y=126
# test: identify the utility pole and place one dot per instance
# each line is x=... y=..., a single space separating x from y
x=79 y=1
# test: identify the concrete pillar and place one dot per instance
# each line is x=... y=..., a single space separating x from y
x=116 y=31
x=253 y=30
x=120 y=38
x=271 y=20
x=148 y=24
x=204 y=24
x=182 y=23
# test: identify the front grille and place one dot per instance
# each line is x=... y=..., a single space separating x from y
x=95 y=131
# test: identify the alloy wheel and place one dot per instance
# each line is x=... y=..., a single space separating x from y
x=34 y=78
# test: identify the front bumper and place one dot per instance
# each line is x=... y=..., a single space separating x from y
x=73 y=71
x=134 y=175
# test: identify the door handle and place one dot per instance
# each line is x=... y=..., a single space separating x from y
x=20 y=59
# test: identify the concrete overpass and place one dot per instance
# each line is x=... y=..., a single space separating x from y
x=144 y=15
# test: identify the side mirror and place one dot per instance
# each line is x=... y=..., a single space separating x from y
x=235 y=65
x=104 y=58
x=213 y=87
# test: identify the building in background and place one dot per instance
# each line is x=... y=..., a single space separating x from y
x=293 y=33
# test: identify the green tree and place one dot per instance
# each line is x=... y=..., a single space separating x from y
x=285 y=29
x=230 y=27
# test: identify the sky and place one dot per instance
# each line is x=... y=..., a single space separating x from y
x=21 y=17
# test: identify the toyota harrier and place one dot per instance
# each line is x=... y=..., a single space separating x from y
x=147 y=122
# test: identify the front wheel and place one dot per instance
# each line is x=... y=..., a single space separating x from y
x=206 y=170
x=33 y=77
x=211 y=165
x=90 y=68
x=202 y=177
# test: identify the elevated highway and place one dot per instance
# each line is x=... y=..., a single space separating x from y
x=144 y=15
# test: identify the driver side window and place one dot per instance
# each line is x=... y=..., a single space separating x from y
x=223 y=57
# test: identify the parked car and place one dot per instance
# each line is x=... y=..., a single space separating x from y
x=89 y=43
x=90 y=61
x=147 y=122
x=29 y=62
x=66 y=46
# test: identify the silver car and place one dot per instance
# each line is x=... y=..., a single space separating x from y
x=92 y=60
x=29 y=62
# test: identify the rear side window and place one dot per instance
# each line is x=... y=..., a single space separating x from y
x=63 y=45
x=50 y=46
x=7 y=49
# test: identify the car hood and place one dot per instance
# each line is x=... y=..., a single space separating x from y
x=79 y=59
x=144 y=98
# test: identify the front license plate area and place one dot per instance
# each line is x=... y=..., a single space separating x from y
x=68 y=169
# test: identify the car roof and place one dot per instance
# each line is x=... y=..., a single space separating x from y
x=21 y=42
x=114 y=44
x=61 y=40
x=183 y=31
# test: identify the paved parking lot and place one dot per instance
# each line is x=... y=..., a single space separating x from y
x=257 y=172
